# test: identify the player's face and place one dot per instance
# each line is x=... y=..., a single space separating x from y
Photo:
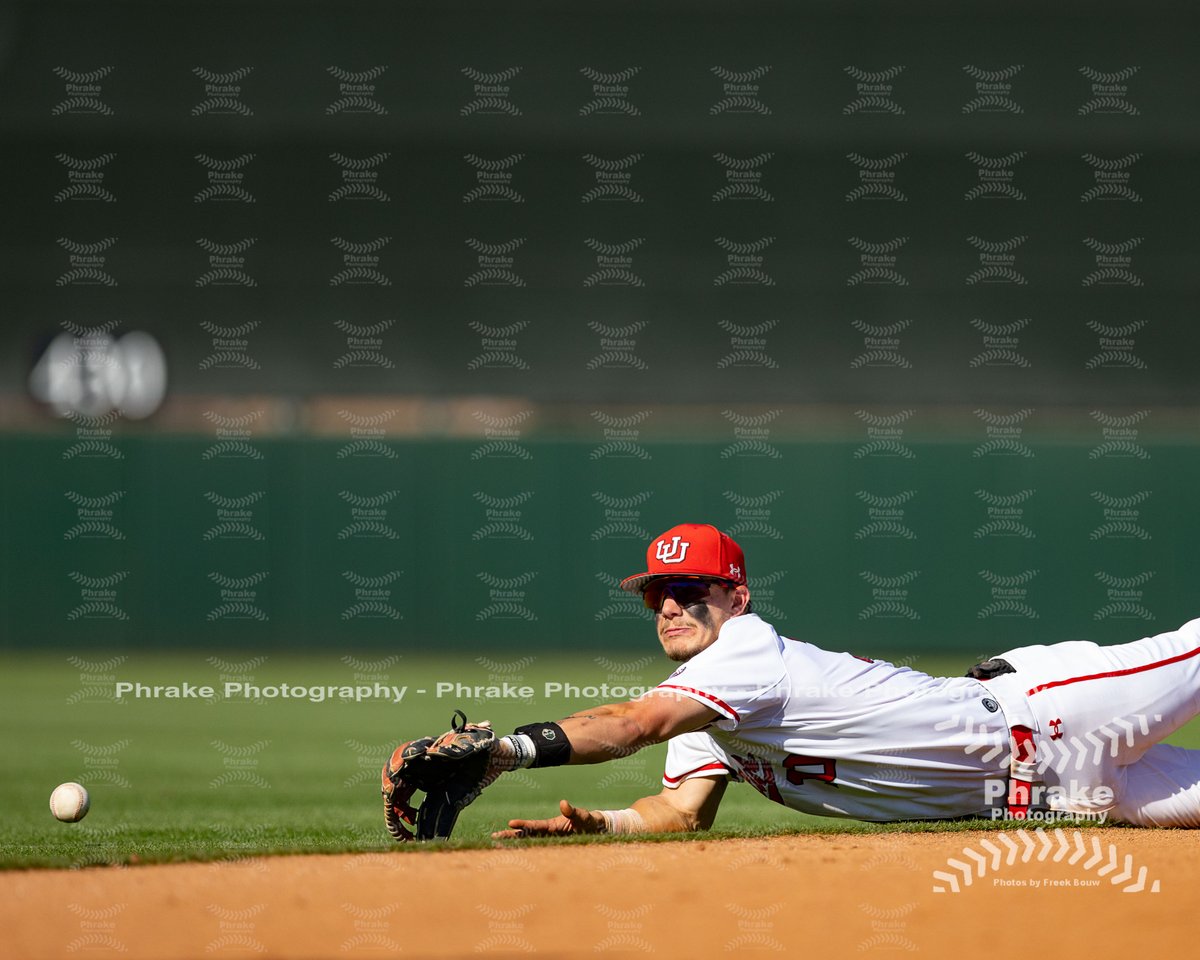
x=690 y=614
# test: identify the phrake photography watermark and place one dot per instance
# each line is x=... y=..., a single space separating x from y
x=123 y=691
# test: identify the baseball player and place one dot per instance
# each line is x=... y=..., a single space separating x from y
x=1070 y=729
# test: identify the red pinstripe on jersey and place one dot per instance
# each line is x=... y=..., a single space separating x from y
x=690 y=773
x=707 y=696
x=1115 y=673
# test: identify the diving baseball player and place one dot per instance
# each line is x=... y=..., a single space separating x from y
x=1070 y=729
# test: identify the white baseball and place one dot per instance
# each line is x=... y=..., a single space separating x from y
x=69 y=802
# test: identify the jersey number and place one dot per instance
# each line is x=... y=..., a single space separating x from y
x=800 y=768
x=797 y=767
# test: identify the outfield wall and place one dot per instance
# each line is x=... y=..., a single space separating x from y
x=517 y=546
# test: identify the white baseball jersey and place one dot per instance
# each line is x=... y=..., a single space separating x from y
x=835 y=735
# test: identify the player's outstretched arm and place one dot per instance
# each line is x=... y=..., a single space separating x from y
x=690 y=806
x=616 y=730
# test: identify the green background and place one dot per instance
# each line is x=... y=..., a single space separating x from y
x=776 y=441
x=819 y=558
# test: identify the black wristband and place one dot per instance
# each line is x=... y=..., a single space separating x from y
x=551 y=746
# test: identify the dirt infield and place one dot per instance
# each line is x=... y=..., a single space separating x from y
x=1128 y=893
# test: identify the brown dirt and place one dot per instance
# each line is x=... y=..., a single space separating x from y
x=832 y=896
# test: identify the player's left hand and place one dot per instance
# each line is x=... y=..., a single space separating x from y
x=573 y=820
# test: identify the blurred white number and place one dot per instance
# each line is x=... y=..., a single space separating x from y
x=95 y=374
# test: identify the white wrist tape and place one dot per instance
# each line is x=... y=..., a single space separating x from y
x=515 y=751
x=623 y=821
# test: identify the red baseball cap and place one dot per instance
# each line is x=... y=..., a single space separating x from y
x=690 y=550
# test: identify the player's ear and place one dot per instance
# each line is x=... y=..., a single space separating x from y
x=741 y=599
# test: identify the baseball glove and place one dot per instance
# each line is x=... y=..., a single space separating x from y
x=452 y=770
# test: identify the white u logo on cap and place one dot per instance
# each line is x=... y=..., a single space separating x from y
x=673 y=553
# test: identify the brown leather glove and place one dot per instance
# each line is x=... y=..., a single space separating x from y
x=452 y=770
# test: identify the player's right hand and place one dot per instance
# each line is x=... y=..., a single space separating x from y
x=572 y=820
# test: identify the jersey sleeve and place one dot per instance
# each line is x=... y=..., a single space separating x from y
x=693 y=755
x=741 y=674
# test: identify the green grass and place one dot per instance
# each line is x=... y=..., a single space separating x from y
x=185 y=779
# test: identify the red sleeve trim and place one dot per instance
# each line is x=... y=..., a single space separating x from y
x=691 y=773
x=706 y=696
x=1115 y=673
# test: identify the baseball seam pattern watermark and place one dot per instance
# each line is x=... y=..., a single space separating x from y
x=889 y=596
x=877 y=261
x=622 y=516
x=369 y=517
x=1116 y=346
x=745 y=262
x=494 y=179
x=360 y=262
x=492 y=93
x=495 y=263
x=874 y=91
x=997 y=261
x=1113 y=262
x=98 y=596
x=225 y=179
x=1111 y=178
x=367 y=434
x=618 y=346
x=1120 y=436
x=1121 y=518
x=356 y=91
x=740 y=91
x=1109 y=92
x=877 y=178
x=502 y=439
x=993 y=91
x=1004 y=433
x=498 y=346
x=1009 y=595
x=614 y=265
x=610 y=93
x=752 y=515
x=93 y=436
x=1124 y=595
x=85 y=178
x=995 y=175
x=612 y=179
x=1000 y=344
x=83 y=92
x=748 y=345
x=621 y=436
x=751 y=435
x=885 y=435
x=222 y=92
x=987 y=855
x=885 y=515
x=1005 y=515
x=743 y=178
